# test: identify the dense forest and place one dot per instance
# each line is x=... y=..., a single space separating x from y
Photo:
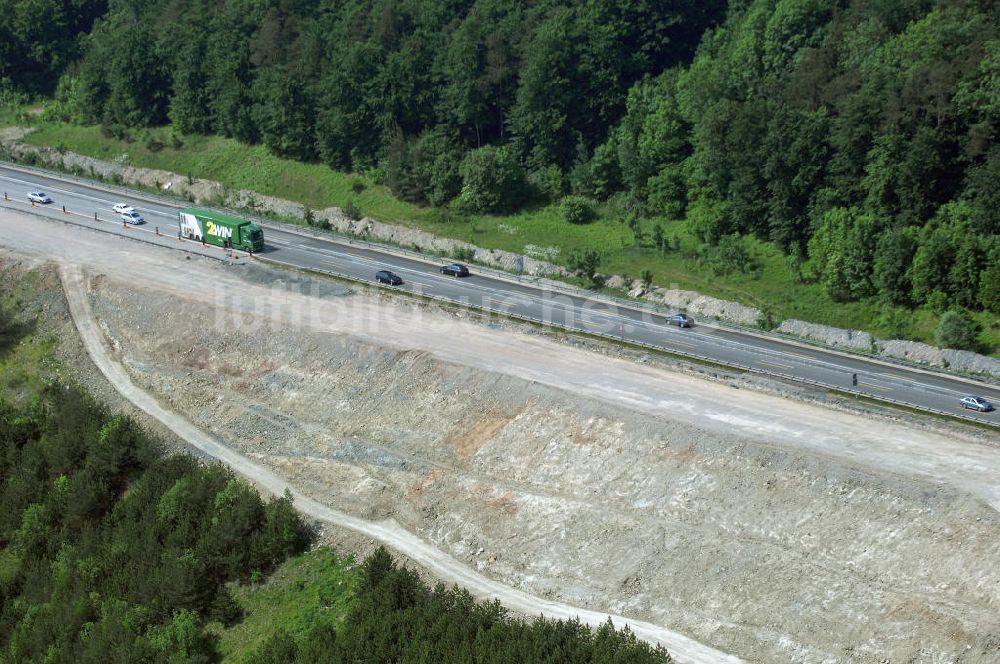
x=397 y=618
x=859 y=136
x=112 y=552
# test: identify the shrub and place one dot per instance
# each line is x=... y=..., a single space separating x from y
x=956 y=330
x=151 y=141
x=309 y=216
x=357 y=186
x=586 y=261
x=492 y=180
x=548 y=182
x=465 y=254
x=576 y=209
x=732 y=255
x=766 y=320
x=352 y=211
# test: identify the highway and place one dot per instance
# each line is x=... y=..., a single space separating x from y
x=491 y=291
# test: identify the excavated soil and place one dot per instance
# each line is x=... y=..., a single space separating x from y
x=773 y=529
x=766 y=551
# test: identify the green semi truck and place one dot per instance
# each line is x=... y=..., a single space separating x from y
x=220 y=230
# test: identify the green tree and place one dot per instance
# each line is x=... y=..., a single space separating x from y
x=585 y=261
x=576 y=209
x=956 y=330
x=893 y=255
x=492 y=180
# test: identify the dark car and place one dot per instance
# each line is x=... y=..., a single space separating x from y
x=455 y=270
x=680 y=320
x=386 y=277
x=976 y=403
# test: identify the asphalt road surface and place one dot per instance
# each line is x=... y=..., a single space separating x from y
x=878 y=379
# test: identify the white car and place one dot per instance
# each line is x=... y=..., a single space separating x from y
x=122 y=208
x=132 y=217
x=39 y=197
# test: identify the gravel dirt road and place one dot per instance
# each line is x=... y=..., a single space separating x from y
x=769 y=528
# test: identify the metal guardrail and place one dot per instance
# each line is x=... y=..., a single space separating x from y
x=641 y=344
x=533 y=281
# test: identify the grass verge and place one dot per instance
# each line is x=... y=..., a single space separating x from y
x=27 y=354
x=315 y=587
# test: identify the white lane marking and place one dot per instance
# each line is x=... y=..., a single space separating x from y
x=62 y=191
x=874 y=386
x=775 y=364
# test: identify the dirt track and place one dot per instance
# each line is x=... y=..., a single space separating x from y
x=775 y=530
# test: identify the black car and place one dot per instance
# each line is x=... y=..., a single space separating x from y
x=386 y=277
x=455 y=270
x=680 y=320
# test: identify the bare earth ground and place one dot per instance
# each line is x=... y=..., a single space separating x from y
x=768 y=528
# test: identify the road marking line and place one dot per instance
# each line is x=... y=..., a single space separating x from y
x=875 y=387
x=775 y=364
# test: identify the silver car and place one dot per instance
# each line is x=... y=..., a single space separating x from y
x=976 y=403
x=132 y=217
x=39 y=197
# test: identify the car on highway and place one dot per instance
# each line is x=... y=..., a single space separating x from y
x=455 y=270
x=976 y=403
x=39 y=197
x=680 y=320
x=387 y=277
x=122 y=208
x=133 y=218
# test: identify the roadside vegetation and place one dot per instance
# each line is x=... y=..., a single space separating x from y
x=833 y=162
x=395 y=617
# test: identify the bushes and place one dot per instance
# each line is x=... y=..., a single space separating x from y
x=956 y=330
x=576 y=210
x=352 y=211
x=492 y=180
x=586 y=261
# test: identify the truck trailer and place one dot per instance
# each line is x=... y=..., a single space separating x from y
x=221 y=230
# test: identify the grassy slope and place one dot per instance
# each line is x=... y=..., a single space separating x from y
x=27 y=356
x=315 y=586
x=252 y=167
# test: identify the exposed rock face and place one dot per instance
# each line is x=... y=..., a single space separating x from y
x=702 y=305
x=913 y=351
x=948 y=358
x=831 y=336
x=615 y=281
